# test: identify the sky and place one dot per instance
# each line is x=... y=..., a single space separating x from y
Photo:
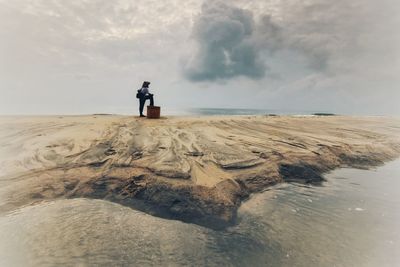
x=90 y=56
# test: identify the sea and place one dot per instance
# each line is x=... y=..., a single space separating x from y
x=239 y=111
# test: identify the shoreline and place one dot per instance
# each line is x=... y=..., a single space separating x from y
x=197 y=169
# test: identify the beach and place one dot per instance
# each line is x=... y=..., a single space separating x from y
x=193 y=169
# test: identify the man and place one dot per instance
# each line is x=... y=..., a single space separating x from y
x=144 y=94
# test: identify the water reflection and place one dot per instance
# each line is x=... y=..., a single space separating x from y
x=352 y=220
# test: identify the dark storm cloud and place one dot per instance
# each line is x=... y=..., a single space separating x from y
x=226 y=49
x=231 y=42
x=328 y=37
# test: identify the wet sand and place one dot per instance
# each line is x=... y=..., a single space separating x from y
x=195 y=169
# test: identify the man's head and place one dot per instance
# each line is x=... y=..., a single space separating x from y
x=146 y=84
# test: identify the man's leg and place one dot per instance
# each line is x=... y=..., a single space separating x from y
x=141 y=105
x=151 y=99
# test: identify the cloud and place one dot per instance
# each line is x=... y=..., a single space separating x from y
x=225 y=47
x=242 y=38
x=231 y=43
x=118 y=34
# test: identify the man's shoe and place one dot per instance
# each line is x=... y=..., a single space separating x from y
x=141 y=115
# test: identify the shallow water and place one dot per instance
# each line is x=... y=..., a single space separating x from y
x=353 y=219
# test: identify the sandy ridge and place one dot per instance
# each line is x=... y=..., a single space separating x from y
x=196 y=169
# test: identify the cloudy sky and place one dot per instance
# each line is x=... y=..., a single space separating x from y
x=90 y=56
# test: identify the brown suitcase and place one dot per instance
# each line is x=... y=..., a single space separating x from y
x=153 y=112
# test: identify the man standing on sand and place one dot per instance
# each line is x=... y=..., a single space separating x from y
x=144 y=94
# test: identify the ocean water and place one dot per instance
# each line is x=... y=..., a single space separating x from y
x=352 y=219
x=235 y=111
